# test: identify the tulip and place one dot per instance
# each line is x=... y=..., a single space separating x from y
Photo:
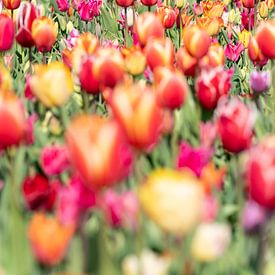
x=6 y=32
x=186 y=63
x=244 y=37
x=44 y=33
x=211 y=85
x=265 y=37
x=39 y=192
x=108 y=67
x=210 y=241
x=135 y=106
x=124 y=3
x=11 y=4
x=213 y=9
x=235 y=125
x=171 y=88
x=159 y=52
x=208 y=133
x=260 y=81
x=13 y=124
x=180 y=3
x=148 y=26
x=263 y=9
x=184 y=18
x=149 y=2
x=167 y=191
x=248 y=3
x=63 y=5
x=260 y=176
x=49 y=238
x=255 y=53
x=270 y=4
x=212 y=26
x=52 y=84
x=89 y=83
x=167 y=16
x=89 y=9
x=98 y=150
x=247 y=17
x=233 y=52
x=5 y=79
x=27 y=13
x=196 y=41
x=214 y=58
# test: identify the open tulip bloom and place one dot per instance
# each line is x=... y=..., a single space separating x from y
x=137 y=137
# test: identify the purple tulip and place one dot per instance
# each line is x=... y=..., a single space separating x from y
x=260 y=81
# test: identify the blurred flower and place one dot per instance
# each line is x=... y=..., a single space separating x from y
x=44 y=33
x=72 y=38
x=214 y=58
x=253 y=216
x=135 y=107
x=211 y=25
x=193 y=158
x=167 y=191
x=255 y=54
x=39 y=192
x=149 y=2
x=186 y=63
x=63 y=5
x=30 y=128
x=210 y=209
x=171 y=88
x=98 y=150
x=28 y=91
x=11 y=4
x=247 y=17
x=248 y=3
x=210 y=241
x=88 y=9
x=6 y=32
x=263 y=9
x=233 y=52
x=125 y=3
x=27 y=13
x=260 y=81
x=49 y=238
x=213 y=9
x=5 y=79
x=235 y=125
x=54 y=159
x=208 y=134
x=52 y=83
x=212 y=85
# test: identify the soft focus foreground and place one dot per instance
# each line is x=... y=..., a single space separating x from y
x=137 y=137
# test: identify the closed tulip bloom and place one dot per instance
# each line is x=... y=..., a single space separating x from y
x=235 y=125
x=148 y=26
x=11 y=4
x=248 y=3
x=6 y=32
x=49 y=238
x=214 y=58
x=149 y=2
x=260 y=81
x=255 y=54
x=63 y=5
x=98 y=150
x=13 y=125
x=211 y=85
x=265 y=37
x=137 y=110
x=173 y=200
x=125 y=3
x=167 y=16
x=44 y=33
x=196 y=41
x=260 y=176
x=210 y=241
x=27 y=13
x=186 y=63
x=263 y=9
x=171 y=88
x=52 y=84
x=212 y=26
x=159 y=53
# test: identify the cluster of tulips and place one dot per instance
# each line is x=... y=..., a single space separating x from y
x=137 y=137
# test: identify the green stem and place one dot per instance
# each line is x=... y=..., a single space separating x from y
x=180 y=34
x=126 y=28
x=85 y=99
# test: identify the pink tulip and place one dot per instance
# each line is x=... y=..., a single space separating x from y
x=233 y=52
x=63 y=5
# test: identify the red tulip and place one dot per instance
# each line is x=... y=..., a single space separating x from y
x=255 y=54
x=6 y=32
x=235 y=123
x=124 y=3
x=171 y=88
x=212 y=85
x=167 y=16
x=26 y=15
x=63 y=5
x=186 y=63
x=248 y=3
x=11 y=4
x=149 y=2
x=260 y=175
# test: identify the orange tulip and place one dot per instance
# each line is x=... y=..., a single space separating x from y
x=215 y=56
x=148 y=26
x=135 y=106
x=49 y=238
x=167 y=16
x=211 y=25
x=98 y=150
x=213 y=9
x=196 y=41
x=44 y=33
x=159 y=52
x=254 y=52
x=186 y=63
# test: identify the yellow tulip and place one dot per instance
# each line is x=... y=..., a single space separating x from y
x=52 y=84
x=231 y=16
x=263 y=9
x=173 y=200
x=244 y=37
x=5 y=79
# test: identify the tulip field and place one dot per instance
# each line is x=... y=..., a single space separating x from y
x=137 y=137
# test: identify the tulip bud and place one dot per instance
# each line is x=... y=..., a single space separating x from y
x=98 y=150
x=196 y=41
x=263 y=9
x=167 y=16
x=235 y=125
x=27 y=13
x=165 y=192
x=135 y=107
x=186 y=63
x=124 y=3
x=13 y=124
x=248 y=3
x=212 y=85
x=210 y=241
x=159 y=53
x=149 y=2
x=44 y=33
x=265 y=37
x=260 y=81
x=6 y=32
x=11 y=4
x=148 y=26
x=244 y=37
x=52 y=84
x=63 y=5
x=270 y=4
x=171 y=88
x=49 y=238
